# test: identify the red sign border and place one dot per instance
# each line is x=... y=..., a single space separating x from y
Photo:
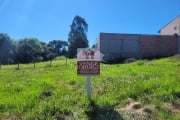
x=88 y=73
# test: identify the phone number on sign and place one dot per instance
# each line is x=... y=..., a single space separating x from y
x=88 y=67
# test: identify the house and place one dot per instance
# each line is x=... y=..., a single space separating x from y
x=172 y=28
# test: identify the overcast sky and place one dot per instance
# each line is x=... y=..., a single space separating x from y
x=51 y=19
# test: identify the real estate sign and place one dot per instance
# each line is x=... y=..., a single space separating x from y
x=88 y=61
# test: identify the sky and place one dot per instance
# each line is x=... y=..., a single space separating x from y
x=51 y=19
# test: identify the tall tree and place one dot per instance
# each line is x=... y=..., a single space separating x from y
x=5 y=48
x=77 y=35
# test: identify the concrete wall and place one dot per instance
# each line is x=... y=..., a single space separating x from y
x=158 y=46
x=119 y=46
x=172 y=28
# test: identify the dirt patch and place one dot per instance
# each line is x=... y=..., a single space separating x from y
x=136 y=111
x=10 y=117
x=174 y=108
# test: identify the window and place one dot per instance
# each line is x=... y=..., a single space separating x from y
x=175 y=28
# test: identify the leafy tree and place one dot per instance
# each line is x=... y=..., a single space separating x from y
x=11 y=58
x=45 y=51
x=5 y=48
x=14 y=55
x=29 y=50
x=77 y=35
x=58 y=47
x=51 y=54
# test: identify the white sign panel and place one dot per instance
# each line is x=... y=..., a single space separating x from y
x=88 y=54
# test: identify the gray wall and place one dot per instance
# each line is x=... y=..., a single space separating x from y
x=117 y=46
x=120 y=46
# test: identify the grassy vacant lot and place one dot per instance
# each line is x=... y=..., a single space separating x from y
x=146 y=89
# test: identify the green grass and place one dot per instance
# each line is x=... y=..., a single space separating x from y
x=56 y=92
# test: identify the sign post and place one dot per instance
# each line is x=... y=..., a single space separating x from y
x=88 y=64
x=88 y=86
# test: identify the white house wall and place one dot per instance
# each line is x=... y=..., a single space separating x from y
x=172 y=28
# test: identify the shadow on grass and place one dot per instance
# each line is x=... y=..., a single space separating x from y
x=96 y=112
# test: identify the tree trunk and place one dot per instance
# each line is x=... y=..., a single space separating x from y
x=50 y=62
x=18 y=66
x=66 y=61
x=34 y=65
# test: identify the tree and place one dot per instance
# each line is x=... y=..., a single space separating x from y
x=45 y=51
x=50 y=56
x=58 y=47
x=14 y=55
x=29 y=50
x=77 y=36
x=5 y=48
